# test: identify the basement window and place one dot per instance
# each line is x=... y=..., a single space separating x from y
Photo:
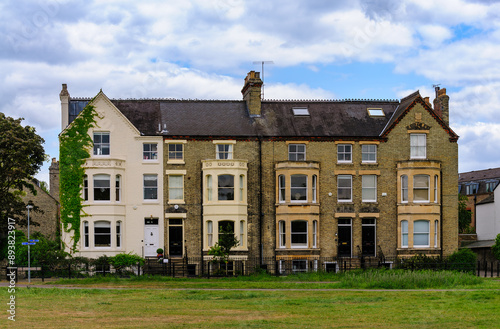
x=376 y=112
x=300 y=111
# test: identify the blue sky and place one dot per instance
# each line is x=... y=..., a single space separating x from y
x=203 y=49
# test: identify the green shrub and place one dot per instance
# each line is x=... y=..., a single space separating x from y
x=421 y=262
x=495 y=249
x=462 y=260
x=124 y=260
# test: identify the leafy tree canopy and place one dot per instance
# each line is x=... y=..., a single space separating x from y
x=21 y=157
x=496 y=248
x=464 y=215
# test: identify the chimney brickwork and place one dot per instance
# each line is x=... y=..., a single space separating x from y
x=441 y=105
x=252 y=92
x=64 y=97
x=54 y=179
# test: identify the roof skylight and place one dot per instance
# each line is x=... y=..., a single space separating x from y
x=376 y=112
x=300 y=111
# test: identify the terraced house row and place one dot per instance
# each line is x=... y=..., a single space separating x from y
x=294 y=180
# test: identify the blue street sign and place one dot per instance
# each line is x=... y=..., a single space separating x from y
x=33 y=240
x=28 y=243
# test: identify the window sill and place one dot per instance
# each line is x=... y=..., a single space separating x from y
x=176 y=202
x=344 y=163
x=176 y=162
x=369 y=163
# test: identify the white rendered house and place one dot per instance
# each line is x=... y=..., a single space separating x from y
x=123 y=184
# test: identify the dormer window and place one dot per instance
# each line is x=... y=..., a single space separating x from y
x=300 y=111
x=375 y=112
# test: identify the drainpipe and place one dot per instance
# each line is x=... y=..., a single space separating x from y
x=261 y=210
x=201 y=214
x=441 y=214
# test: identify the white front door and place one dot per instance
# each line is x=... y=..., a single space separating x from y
x=151 y=240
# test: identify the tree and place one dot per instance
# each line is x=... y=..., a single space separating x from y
x=21 y=156
x=223 y=247
x=464 y=215
x=495 y=249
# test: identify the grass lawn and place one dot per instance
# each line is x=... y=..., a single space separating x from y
x=180 y=303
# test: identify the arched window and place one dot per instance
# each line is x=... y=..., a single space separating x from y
x=86 y=238
x=210 y=233
x=118 y=234
x=282 y=234
x=118 y=188
x=404 y=188
x=209 y=188
x=404 y=234
x=282 y=188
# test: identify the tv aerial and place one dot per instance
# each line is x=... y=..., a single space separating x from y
x=262 y=63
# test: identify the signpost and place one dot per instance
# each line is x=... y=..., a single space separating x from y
x=29 y=243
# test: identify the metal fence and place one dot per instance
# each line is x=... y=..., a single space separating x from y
x=203 y=267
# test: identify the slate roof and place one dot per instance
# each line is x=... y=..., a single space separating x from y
x=212 y=118
x=489 y=199
x=325 y=119
x=477 y=175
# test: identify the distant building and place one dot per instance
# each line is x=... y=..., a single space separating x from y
x=296 y=181
x=477 y=186
x=47 y=217
x=487 y=225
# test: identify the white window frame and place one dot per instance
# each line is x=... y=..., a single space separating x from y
x=367 y=186
x=436 y=180
x=209 y=188
x=174 y=149
x=210 y=233
x=404 y=188
x=292 y=188
x=282 y=188
x=404 y=234
x=118 y=234
x=242 y=188
x=145 y=178
x=436 y=230
x=175 y=190
x=418 y=188
x=102 y=224
x=85 y=188
x=102 y=148
x=296 y=155
x=118 y=187
x=314 y=188
x=86 y=234
x=104 y=178
x=282 y=233
x=421 y=233
x=342 y=153
x=315 y=233
x=242 y=233
x=344 y=177
x=306 y=234
x=418 y=146
x=225 y=187
x=224 y=151
x=150 y=151
x=365 y=150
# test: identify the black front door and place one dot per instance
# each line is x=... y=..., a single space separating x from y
x=344 y=240
x=175 y=241
x=368 y=236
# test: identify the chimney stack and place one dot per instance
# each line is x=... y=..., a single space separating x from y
x=64 y=97
x=441 y=105
x=252 y=93
x=54 y=179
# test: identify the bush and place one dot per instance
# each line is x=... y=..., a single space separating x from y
x=462 y=260
x=495 y=249
x=421 y=262
x=124 y=260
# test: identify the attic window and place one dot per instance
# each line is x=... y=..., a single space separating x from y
x=376 y=112
x=300 y=111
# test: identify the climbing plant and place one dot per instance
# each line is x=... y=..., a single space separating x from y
x=75 y=144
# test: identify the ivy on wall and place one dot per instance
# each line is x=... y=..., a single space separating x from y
x=74 y=145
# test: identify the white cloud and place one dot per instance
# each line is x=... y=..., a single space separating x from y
x=478 y=144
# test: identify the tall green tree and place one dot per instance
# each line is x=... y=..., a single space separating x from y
x=21 y=157
x=464 y=215
x=495 y=249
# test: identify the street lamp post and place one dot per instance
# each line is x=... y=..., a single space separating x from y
x=29 y=251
